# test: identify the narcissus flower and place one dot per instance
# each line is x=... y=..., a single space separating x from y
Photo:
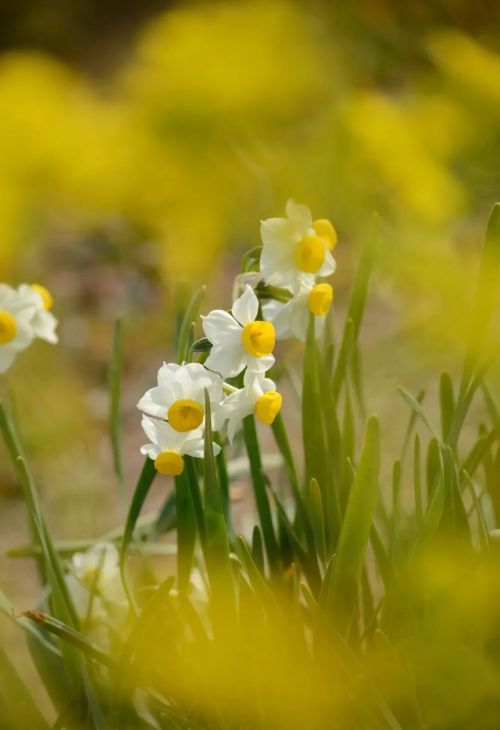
x=97 y=571
x=179 y=397
x=16 y=331
x=291 y=319
x=43 y=321
x=296 y=248
x=239 y=340
x=258 y=396
x=168 y=446
x=97 y=566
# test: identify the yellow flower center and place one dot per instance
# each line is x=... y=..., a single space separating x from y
x=325 y=230
x=268 y=406
x=47 y=299
x=310 y=254
x=185 y=415
x=258 y=338
x=8 y=327
x=170 y=463
x=320 y=299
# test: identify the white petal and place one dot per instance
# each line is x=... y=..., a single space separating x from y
x=259 y=364
x=279 y=314
x=300 y=216
x=166 y=374
x=246 y=307
x=156 y=402
x=228 y=361
x=218 y=325
x=329 y=265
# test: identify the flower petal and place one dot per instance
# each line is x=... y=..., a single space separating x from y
x=219 y=326
x=246 y=307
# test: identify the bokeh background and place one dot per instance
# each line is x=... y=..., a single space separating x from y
x=140 y=145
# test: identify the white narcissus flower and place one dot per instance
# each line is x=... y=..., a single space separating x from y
x=99 y=565
x=258 y=396
x=291 y=319
x=296 y=248
x=179 y=396
x=43 y=321
x=16 y=331
x=96 y=570
x=239 y=340
x=167 y=446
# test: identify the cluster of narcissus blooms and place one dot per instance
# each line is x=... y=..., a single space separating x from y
x=295 y=254
x=24 y=316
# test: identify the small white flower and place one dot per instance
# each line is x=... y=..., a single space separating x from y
x=99 y=564
x=97 y=570
x=16 y=331
x=43 y=321
x=291 y=319
x=258 y=396
x=179 y=396
x=296 y=248
x=239 y=340
x=167 y=446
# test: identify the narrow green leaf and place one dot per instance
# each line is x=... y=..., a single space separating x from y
x=141 y=491
x=114 y=380
x=315 y=505
x=486 y=292
x=418 y=410
x=356 y=528
x=417 y=485
x=184 y=340
x=447 y=403
x=217 y=540
x=69 y=635
x=260 y=494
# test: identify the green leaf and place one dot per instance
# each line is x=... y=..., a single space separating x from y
x=356 y=527
x=447 y=403
x=69 y=635
x=418 y=410
x=114 y=379
x=141 y=491
x=260 y=494
x=184 y=340
x=201 y=345
x=217 y=540
x=317 y=516
x=486 y=292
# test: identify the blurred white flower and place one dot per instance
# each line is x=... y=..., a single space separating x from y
x=43 y=321
x=179 y=397
x=239 y=340
x=96 y=571
x=167 y=446
x=296 y=249
x=291 y=319
x=96 y=567
x=16 y=330
x=258 y=396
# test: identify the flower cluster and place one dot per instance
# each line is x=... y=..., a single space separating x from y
x=296 y=252
x=24 y=316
